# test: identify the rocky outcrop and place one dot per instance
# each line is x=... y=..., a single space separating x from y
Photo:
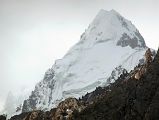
x=47 y=85
x=126 y=40
x=66 y=108
x=64 y=111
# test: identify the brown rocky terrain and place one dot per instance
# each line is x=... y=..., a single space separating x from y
x=129 y=98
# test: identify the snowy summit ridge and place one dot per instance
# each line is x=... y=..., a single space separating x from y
x=111 y=43
x=110 y=25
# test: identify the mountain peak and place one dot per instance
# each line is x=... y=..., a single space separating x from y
x=102 y=11
x=111 y=26
x=90 y=62
x=114 y=11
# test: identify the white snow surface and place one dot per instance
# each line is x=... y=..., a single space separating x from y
x=90 y=62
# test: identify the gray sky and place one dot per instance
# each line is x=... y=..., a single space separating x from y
x=33 y=33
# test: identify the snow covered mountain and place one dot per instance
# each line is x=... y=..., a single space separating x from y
x=110 y=44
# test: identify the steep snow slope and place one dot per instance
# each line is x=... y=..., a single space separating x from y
x=109 y=42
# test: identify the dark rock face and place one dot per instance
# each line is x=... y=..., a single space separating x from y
x=2 y=117
x=34 y=115
x=32 y=101
x=19 y=117
x=66 y=108
x=125 y=40
x=141 y=39
x=128 y=100
x=115 y=73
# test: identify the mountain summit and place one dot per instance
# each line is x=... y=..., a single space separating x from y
x=110 y=45
x=110 y=25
